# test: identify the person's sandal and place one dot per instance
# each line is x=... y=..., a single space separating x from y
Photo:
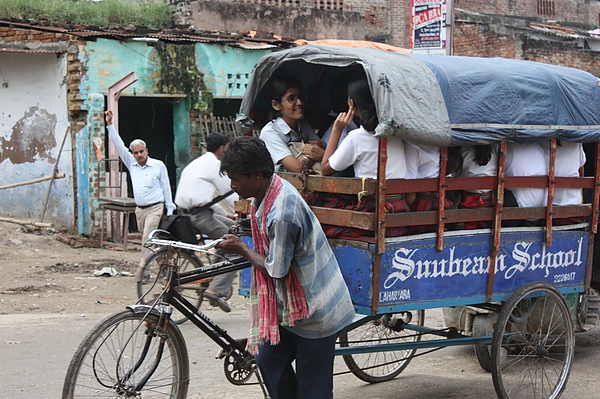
x=217 y=301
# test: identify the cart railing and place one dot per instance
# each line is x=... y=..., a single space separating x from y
x=377 y=222
x=368 y=221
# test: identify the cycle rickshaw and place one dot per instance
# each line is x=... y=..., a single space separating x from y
x=526 y=289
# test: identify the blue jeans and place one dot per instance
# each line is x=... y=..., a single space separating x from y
x=313 y=377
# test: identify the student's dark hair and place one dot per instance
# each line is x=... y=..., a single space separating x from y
x=483 y=154
x=216 y=140
x=338 y=98
x=359 y=92
x=455 y=161
x=247 y=155
x=277 y=89
x=338 y=93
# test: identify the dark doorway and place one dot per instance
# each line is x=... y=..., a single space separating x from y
x=150 y=119
x=226 y=107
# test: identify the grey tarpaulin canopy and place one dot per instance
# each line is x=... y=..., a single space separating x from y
x=446 y=100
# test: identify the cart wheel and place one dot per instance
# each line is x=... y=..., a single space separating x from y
x=483 y=325
x=381 y=366
x=535 y=329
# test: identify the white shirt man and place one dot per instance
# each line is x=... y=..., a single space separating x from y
x=199 y=184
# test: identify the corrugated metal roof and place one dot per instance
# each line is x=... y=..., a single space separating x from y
x=254 y=46
x=556 y=30
x=167 y=37
x=245 y=39
x=39 y=25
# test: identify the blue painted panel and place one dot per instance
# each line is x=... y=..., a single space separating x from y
x=413 y=271
x=414 y=275
x=561 y=265
x=357 y=267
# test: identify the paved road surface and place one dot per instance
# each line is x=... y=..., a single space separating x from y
x=36 y=350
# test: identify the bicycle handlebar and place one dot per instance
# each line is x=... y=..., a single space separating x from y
x=152 y=240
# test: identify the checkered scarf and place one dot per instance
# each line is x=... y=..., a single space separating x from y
x=264 y=323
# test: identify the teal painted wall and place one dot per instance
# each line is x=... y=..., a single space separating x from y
x=181 y=124
x=227 y=69
x=107 y=61
x=191 y=75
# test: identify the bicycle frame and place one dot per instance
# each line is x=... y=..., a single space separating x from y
x=196 y=316
x=171 y=298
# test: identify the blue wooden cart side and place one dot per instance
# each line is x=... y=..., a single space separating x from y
x=414 y=275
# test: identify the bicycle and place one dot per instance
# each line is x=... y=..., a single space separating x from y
x=142 y=350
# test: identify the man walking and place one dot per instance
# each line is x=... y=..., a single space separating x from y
x=150 y=180
x=203 y=193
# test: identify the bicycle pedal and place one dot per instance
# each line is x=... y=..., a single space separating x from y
x=221 y=354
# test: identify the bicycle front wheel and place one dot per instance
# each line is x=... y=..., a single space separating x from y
x=152 y=275
x=122 y=352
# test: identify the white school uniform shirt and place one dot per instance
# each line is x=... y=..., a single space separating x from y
x=570 y=157
x=527 y=160
x=201 y=181
x=277 y=134
x=422 y=161
x=473 y=169
x=361 y=150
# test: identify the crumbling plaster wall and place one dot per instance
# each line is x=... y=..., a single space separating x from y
x=33 y=123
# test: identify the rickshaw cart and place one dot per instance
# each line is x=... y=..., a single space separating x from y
x=525 y=289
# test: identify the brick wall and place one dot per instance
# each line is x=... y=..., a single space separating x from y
x=400 y=32
x=480 y=41
x=329 y=19
x=563 y=54
x=487 y=41
x=388 y=21
x=573 y=11
x=12 y=35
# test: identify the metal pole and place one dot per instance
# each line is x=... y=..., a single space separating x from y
x=54 y=173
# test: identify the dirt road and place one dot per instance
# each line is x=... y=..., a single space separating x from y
x=50 y=298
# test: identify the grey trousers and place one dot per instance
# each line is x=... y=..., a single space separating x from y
x=215 y=226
